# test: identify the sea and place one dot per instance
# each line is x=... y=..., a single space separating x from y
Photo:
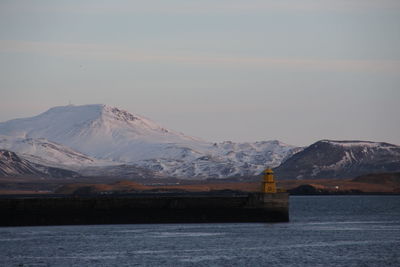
x=323 y=231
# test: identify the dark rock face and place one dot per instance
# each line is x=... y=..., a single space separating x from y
x=13 y=165
x=340 y=159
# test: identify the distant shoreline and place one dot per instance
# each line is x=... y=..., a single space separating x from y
x=373 y=184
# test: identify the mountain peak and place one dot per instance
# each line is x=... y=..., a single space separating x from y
x=116 y=115
x=97 y=129
x=63 y=118
x=119 y=114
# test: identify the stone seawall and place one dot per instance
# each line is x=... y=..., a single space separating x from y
x=143 y=208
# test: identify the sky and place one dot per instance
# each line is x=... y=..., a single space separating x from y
x=294 y=70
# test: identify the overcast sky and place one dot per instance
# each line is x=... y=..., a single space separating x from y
x=297 y=71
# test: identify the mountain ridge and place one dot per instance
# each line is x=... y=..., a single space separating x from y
x=109 y=133
x=99 y=139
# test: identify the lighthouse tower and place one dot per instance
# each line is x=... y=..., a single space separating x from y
x=268 y=183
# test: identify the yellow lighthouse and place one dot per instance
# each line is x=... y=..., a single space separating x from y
x=268 y=183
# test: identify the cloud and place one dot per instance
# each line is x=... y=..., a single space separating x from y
x=127 y=54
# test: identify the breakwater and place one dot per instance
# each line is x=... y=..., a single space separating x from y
x=204 y=207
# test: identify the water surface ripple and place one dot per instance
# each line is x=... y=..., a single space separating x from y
x=323 y=231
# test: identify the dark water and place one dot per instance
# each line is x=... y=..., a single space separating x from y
x=324 y=231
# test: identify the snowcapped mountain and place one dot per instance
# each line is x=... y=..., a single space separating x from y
x=13 y=165
x=340 y=159
x=109 y=133
x=100 y=131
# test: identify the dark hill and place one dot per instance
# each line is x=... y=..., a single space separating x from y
x=340 y=159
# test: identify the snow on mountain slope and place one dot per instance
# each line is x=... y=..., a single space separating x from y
x=13 y=165
x=258 y=153
x=341 y=159
x=235 y=159
x=110 y=133
x=42 y=151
